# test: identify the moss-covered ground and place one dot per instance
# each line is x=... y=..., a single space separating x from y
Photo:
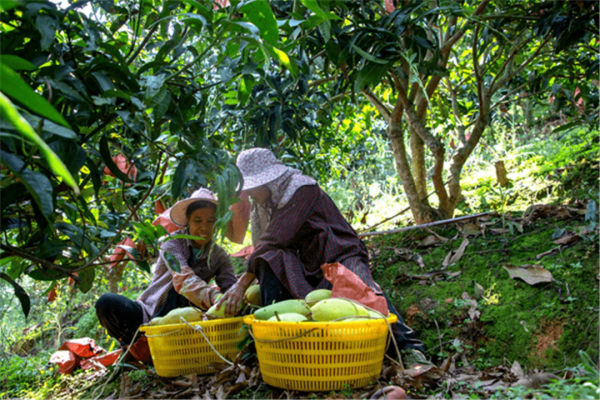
x=541 y=326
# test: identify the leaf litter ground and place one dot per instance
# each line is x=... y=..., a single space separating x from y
x=499 y=301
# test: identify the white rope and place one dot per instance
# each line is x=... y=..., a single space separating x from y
x=388 y=325
x=201 y=330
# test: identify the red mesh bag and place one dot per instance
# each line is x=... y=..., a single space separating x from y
x=141 y=351
x=101 y=362
x=66 y=360
x=84 y=347
x=164 y=219
x=348 y=285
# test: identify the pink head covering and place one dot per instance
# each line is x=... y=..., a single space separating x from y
x=259 y=167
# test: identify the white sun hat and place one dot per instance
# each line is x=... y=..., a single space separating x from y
x=258 y=167
x=178 y=211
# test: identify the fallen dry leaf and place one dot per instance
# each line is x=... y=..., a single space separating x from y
x=456 y=255
x=547 y=253
x=470 y=230
x=430 y=240
x=567 y=238
x=531 y=274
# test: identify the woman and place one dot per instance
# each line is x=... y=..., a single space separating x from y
x=169 y=289
x=299 y=228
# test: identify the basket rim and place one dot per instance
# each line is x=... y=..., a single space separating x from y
x=152 y=328
x=250 y=320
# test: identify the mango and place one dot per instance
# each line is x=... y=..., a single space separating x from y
x=283 y=307
x=317 y=295
x=190 y=314
x=213 y=313
x=331 y=309
x=252 y=295
x=376 y=315
x=289 y=317
x=156 y=321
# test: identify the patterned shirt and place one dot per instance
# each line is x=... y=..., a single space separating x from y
x=189 y=258
x=307 y=232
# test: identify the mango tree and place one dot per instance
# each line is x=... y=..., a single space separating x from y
x=107 y=107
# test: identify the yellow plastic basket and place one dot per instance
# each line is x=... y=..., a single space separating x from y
x=329 y=356
x=180 y=350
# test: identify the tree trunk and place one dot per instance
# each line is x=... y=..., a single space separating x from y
x=421 y=212
x=417 y=151
x=114 y=276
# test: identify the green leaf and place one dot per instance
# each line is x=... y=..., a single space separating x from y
x=37 y=184
x=371 y=73
x=325 y=29
x=313 y=6
x=47 y=26
x=95 y=175
x=261 y=15
x=16 y=63
x=183 y=236
x=6 y=5
x=178 y=180
x=284 y=59
x=86 y=279
x=48 y=275
x=107 y=158
x=368 y=56
x=565 y=127
x=19 y=292
x=11 y=194
x=10 y=113
x=172 y=261
x=13 y=86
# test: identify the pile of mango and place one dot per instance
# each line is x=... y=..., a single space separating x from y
x=191 y=314
x=317 y=306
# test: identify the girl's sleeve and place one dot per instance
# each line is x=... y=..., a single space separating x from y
x=186 y=282
x=225 y=275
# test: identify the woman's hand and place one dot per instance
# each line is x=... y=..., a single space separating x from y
x=233 y=299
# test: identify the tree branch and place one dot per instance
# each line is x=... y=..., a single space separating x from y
x=385 y=112
x=457 y=120
x=143 y=44
x=476 y=66
x=112 y=240
x=50 y=265
x=509 y=76
x=320 y=81
x=507 y=62
x=454 y=38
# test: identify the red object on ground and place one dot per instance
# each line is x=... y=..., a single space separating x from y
x=389 y=6
x=84 y=347
x=165 y=220
x=159 y=207
x=348 y=285
x=67 y=361
x=244 y=253
x=101 y=362
x=238 y=226
x=140 y=350
x=119 y=253
x=123 y=164
x=52 y=295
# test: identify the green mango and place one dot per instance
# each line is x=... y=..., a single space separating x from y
x=283 y=307
x=317 y=295
x=289 y=317
x=331 y=309
x=190 y=314
x=252 y=295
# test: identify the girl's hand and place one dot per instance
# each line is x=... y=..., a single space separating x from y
x=233 y=299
